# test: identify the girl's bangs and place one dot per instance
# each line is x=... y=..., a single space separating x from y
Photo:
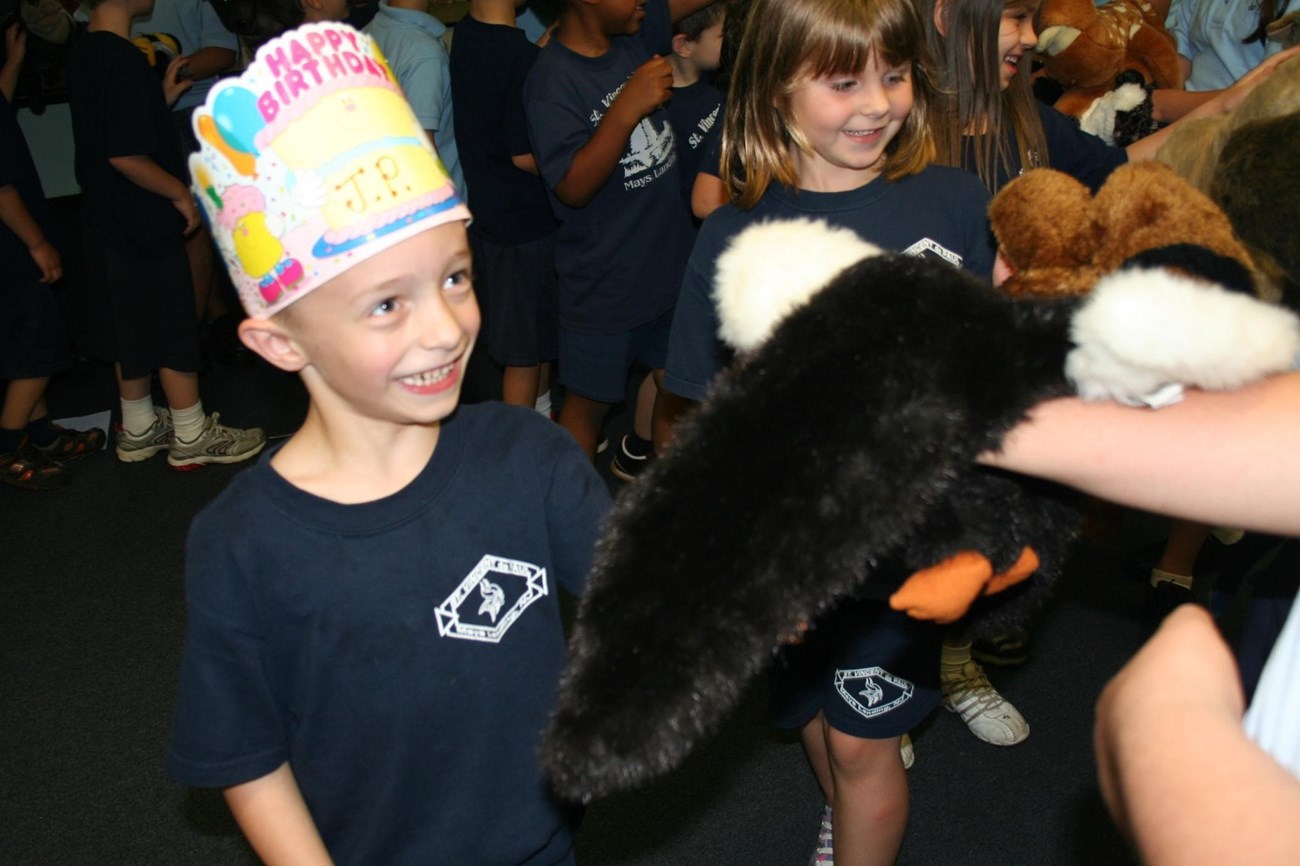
x=845 y=42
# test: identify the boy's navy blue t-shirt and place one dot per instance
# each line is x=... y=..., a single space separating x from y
x=118 y=109
x=19 y=171
x=620 y=258
x=488 y=70
x=402 y=655
x=696 y=112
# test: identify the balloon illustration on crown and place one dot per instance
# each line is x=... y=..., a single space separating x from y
x=310 y=162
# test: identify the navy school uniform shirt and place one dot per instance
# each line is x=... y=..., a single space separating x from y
x=696 y=112
x=1083 y=156
x=620 y=257
x=488 y=69
x=403 y=654
x=939 y=212
x=118 y=109
x=19 y=171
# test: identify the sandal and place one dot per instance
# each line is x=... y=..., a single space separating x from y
x=29 y=469
x=72 y=445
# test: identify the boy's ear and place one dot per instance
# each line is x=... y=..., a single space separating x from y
x=682 y=46
x=273 y=342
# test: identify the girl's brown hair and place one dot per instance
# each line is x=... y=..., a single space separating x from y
x=786 y=44
x=975 y=106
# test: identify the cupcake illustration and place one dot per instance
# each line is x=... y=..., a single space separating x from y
x=260 y=253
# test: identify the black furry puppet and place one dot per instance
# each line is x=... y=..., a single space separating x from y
x=873 y=382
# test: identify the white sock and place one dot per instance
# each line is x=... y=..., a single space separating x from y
x=189 y=422
x=138 y=415
x=543 y=404
x=1158 y=577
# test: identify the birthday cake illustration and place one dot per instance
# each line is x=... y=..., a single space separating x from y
x=311 y=160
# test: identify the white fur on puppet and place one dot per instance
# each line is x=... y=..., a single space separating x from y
x=771 y=269
x=1099 y=118
x=1144 y=333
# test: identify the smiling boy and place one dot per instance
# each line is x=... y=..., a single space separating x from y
x=374 y=637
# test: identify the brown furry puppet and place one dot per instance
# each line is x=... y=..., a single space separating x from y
x=1144 y=210
x=876 y=379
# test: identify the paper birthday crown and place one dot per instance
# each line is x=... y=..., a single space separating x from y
x=312 y=161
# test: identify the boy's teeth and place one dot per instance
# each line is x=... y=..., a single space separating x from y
x=429 y=377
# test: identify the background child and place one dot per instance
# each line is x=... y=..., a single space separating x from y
x=137 y=213
x=513 y=233
x=605 y=147
x=847 y=143
x=696 y=113
x=374 y=638
x=412 y=41
x=210 y=50
x=1220 y=42
x=32 y=343
x=696 y=104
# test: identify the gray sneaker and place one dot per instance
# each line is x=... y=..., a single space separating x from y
x=216 y=444
x=133 y=449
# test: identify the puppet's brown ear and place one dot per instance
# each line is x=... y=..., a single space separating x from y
x=1043 y=223
x=1146 y=205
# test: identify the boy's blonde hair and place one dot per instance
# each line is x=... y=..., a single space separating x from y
x=786 y=44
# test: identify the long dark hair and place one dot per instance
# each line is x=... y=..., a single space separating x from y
x=975 y=105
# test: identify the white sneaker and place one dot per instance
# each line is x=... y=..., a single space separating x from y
x=989 y=716
x=216 y=444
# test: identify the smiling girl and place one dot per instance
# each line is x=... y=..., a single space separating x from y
x=829 y=117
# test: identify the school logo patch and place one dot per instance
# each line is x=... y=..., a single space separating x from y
x=490 y=598
x=926 y=247
x=872 y=691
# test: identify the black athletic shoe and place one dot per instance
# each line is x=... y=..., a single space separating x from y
x=625 y=464
x=1003 y=650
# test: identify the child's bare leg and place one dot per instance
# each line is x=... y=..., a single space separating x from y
x=582 y=417
x=1181 y=550
x=871 y=799
x=181 y=389
x=24 y=402
x=544 y=377
x=521 y=385
x=645 y=405
x=669 y=407
x=815 y=747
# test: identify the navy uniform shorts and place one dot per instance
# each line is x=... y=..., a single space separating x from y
x=872 y=670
